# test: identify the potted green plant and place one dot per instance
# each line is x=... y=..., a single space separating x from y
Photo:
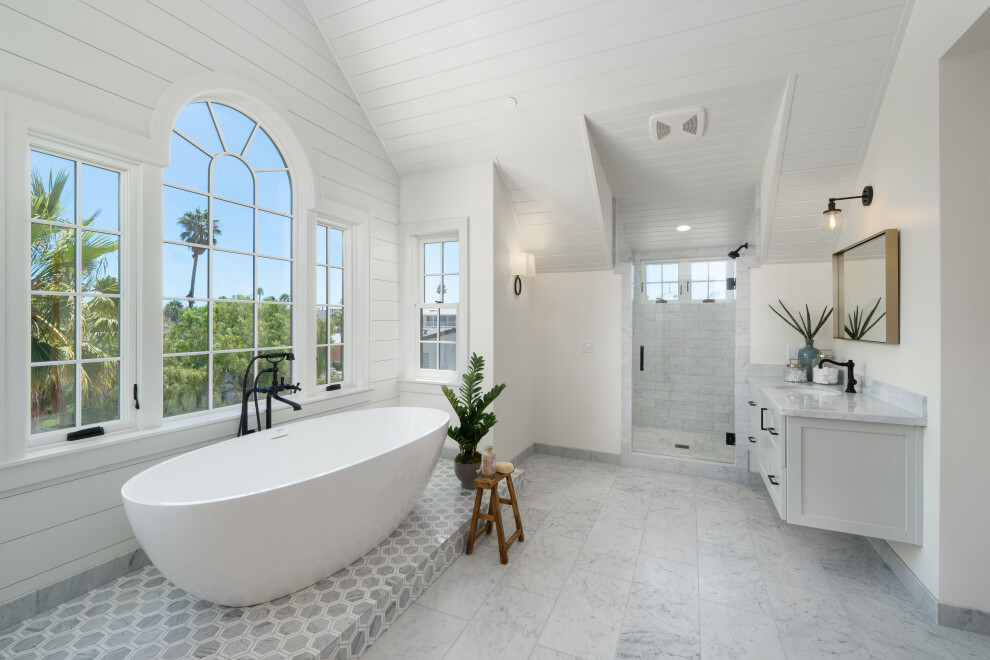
x=470 y=404
x=809 y=354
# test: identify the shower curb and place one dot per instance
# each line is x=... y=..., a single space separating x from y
x=337 y=618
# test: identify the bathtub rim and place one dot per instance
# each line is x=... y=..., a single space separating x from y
x=249 y=493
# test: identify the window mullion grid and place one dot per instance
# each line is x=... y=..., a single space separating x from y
x=77 y=221
x=210 y=307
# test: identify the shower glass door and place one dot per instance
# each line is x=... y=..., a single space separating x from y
x=684 y=359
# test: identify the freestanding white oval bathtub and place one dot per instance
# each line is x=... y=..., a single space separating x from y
x=254 y=518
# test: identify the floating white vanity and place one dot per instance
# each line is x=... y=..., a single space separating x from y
x=845 y=462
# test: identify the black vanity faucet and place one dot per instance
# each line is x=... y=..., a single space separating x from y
x=850 y=379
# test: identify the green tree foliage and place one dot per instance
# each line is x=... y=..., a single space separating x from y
x=53 y=322
x=470 y=408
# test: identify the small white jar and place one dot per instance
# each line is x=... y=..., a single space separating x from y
x=825 y=375
x=795 y=372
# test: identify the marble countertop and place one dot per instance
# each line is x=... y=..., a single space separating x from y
x=801 y=400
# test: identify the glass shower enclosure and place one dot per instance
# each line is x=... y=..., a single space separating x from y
x=684 y=359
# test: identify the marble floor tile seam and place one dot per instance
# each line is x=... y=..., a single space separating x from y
x=439 y=554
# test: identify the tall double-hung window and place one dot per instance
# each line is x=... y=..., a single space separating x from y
x=439 y=304
x=330 y=299
x=76 y=322
x=227 y=256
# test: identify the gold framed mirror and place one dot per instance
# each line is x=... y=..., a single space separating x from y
x=866 y=289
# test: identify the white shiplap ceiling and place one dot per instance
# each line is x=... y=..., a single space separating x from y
x=433 y=76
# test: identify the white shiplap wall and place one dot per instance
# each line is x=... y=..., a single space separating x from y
x=433 y=76
x=111 y=61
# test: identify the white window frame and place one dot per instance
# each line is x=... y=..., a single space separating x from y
x=356 y=306
x=684 y=279
x=210 y=300
x=414 y=236
x=128 y=283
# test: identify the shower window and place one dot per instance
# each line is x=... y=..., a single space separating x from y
x=80 y=328
x=227 y=256
x=330 y=304
x=438 y=304
x=708 y=280
x=661 y=281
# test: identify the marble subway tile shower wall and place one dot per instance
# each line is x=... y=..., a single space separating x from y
x=684 y=394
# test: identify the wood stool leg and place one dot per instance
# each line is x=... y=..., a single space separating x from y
x=515 y=507
x=503 y=549
x=474 y=521
x=492 y=508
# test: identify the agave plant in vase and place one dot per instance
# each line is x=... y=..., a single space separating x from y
x=469 y=404
x=803 y=324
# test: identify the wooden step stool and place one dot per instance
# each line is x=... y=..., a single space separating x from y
x=494 y=514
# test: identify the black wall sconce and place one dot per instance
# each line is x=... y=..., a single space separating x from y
x=830 y=217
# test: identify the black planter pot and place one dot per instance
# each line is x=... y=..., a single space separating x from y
x=466 y=472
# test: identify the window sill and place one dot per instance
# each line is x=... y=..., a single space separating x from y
x=425 y=385
x=57 y=461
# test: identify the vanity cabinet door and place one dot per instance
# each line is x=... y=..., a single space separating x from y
x=855 y=477
x=753 y=438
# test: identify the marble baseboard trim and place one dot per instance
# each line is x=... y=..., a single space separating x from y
x=580 y=454
x=944 y=614
x=912 y=585
x=964 y=618
x=523 y=455
x=41 y=600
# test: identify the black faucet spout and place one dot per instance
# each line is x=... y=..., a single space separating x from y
x=850 y=378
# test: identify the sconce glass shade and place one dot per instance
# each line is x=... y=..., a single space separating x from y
x=831 y=220
x=523 y=264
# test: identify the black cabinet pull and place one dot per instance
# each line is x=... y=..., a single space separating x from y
x=773 y=480
x=752 y=403
x=752 y=439
x=772 y=431
x=641 y=356
x=762 y=425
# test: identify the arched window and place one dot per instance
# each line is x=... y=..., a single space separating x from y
x=227 y=256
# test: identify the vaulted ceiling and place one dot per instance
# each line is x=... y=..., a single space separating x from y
x=791 y=88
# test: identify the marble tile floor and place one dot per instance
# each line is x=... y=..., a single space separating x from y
x=142 y=615
x=625 y=563
x=701 y=446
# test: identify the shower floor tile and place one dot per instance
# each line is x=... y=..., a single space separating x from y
x=143 y=615
x=701 y=446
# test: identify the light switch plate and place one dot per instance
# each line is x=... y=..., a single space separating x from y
x=585 y=345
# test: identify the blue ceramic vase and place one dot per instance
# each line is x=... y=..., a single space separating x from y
x=809 y=356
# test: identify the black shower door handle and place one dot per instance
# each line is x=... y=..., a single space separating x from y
x=642 y=348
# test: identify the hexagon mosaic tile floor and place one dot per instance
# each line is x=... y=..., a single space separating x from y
x=142 y=615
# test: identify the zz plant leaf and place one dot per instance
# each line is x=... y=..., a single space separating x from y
x=469 y=404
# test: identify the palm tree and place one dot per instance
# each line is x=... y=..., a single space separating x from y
x=196 y=229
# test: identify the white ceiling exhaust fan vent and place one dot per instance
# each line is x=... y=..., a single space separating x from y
x=676 y=126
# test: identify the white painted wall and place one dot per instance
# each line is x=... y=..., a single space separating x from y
x=514 y=335
x=442 y=195
x=579 y=393
x=965 y=454
x=107 y=68
x=902 y=164
x=797 y=285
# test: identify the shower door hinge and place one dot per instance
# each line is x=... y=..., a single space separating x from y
x=730 y=438
x=730 y=283
x=641 y=287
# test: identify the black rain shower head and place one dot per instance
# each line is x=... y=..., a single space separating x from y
x=735 y=253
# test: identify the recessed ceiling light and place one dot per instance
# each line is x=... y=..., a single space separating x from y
x=683 y=227
x=510 y=103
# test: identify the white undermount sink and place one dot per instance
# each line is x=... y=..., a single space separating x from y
x=804 y=389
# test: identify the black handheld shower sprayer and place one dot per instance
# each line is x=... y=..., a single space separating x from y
x=735 y=253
